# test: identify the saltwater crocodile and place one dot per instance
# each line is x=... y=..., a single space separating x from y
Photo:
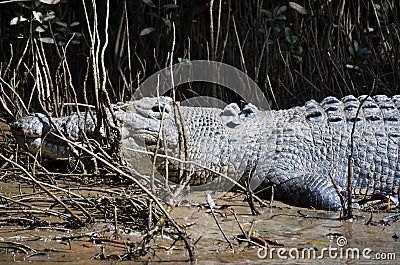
x=303 y=151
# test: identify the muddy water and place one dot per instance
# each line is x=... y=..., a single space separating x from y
x=303 y=235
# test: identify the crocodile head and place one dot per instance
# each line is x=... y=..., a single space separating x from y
x=150 y=125
x=140 y=123
x=30 y=132
x=143 y=120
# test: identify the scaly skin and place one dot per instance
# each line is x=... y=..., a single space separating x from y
x=302 y=150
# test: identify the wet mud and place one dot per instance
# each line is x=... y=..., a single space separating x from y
x=292 y=235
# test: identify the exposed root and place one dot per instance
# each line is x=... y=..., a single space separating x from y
x=40 y=195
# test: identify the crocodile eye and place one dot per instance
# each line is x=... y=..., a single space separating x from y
x=247 y=112
x=161 y=108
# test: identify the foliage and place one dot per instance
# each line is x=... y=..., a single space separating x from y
x=359 y=54
x=46 y=26
x=294 y=50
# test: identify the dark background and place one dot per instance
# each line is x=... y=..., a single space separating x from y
x=334 y=48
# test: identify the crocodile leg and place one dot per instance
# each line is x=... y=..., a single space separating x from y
x=304 y=189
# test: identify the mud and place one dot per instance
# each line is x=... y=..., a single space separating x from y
x=296 y=230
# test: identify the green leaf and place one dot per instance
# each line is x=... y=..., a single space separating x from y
x=300 y=51
x=356 y=46
x=183 y=60
x=17 y=20
x=267 y=13
x=61 y=29
x=149 y=3
x=364 y=53
x=49 y=16
x=281 y=17
x=351 y=50
x=38 y=16
x=298 y=8
x=41 y=28
x=170 y=6
x=50 y=2
x=146 y=31
x=73 y=24
x=47 y=40
x=77 y=35
x=289 y=36
x=62 y=24
x=167 y=22
x=279 y=10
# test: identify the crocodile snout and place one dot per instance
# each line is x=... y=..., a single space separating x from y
x=31 y=126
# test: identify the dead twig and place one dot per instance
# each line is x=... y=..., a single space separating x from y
x=211 y=204
x=348 y=211
x=76 y=219
x=143 y=188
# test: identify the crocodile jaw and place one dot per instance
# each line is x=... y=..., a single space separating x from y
x=30 y=133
